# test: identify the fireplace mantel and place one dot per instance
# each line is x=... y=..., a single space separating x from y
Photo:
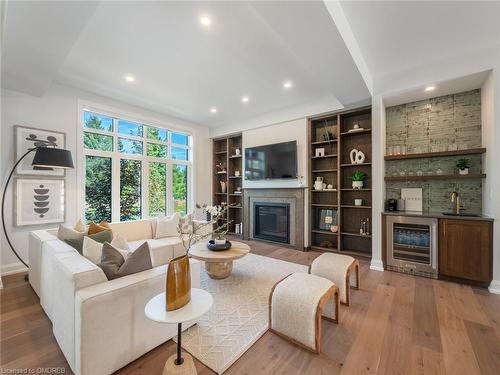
x=294 y=196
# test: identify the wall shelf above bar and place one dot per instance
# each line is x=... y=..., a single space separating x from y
x=471 y=151
x=437 y=177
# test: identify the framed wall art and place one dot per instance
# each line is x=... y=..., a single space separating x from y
x=39 y=201
x=28 y=138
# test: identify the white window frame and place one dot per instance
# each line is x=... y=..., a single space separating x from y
x=115 y=155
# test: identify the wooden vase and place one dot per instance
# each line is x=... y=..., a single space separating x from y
x=178 y=283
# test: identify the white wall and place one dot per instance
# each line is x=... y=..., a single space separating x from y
x=295 y=130
x=58 y=110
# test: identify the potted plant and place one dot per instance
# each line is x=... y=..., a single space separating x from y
x=357 y=179
x=463 y=166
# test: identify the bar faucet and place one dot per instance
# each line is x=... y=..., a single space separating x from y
x=455 y=198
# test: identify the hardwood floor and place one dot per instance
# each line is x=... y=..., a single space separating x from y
x=396 y=324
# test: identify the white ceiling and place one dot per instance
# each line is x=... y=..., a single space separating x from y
x=397 y=36
x=182 y=68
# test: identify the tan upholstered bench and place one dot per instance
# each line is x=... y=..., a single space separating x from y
x=339 y=269
x=296 y=305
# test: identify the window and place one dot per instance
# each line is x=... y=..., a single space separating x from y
x=133 y=170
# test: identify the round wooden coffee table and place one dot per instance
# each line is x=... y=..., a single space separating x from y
x=219 y=264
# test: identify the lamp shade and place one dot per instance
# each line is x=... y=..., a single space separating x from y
x=53 y=158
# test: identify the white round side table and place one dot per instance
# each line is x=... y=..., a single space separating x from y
x=201 y=302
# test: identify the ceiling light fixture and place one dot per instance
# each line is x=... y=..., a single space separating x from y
x=430 y=88
x=287 y=84
x=205 y=20
x=213 y=110
x=129 y=78
x=245 y=99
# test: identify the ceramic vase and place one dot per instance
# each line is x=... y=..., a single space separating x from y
x=357 y=184
x=223 y=186
x=178 y=283
x=463 y=171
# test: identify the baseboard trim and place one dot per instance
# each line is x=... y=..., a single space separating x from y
x=11 y=268
x=494 y=287
x=377 y=265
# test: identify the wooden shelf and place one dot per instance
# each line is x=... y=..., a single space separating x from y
x=354 y=206
x=319 y=231
x=356 y=234
x=471 y=151
x=324 y=170
x=355 y=165
x=324 y=156
x=469 y=176
x=351 y=189
x=364 y=131
x=336 y=166
x=235 y=195
x=224 y=152
x=324 y=142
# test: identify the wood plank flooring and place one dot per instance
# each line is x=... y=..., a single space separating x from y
x=396 y=324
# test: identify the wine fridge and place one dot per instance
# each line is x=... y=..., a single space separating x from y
x=412 y=244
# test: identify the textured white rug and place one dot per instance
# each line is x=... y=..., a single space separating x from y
x=239 y=316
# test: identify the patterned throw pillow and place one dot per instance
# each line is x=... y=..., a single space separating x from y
x=186 y=224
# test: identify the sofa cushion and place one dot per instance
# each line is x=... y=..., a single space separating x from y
x=92 y=250
x=115 y=265
x=167 y=226
x=162 y=251
x=134 y=230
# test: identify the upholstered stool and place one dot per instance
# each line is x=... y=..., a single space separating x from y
x=296 y=305
x=339 y=269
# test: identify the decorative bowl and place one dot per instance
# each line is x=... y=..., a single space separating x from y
x=212 y=246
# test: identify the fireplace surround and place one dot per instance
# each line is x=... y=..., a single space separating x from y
x=269 y=212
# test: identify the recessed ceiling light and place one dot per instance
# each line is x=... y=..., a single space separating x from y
x=205 y=20
x=245 y=99
x=287 y=84
x=213 y=110
x=430 y=88
x=129 y=78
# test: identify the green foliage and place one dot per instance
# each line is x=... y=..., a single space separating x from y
x=463 y=163
x=358 y=176
x=179 y=175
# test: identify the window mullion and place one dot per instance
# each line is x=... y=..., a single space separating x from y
x=170 y=189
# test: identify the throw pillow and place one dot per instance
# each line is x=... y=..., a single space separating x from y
x=120 y=243
x=104 y=224
x=102 y=237
x=115 y=265
x=67 y=233
x=167 y=226
x=186 y=224
x=96 y=228
x=80 y=227
x=92 y=250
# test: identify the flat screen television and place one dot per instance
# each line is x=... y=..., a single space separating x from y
x=275 y=161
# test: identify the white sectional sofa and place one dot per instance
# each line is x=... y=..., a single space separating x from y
x=100 y=325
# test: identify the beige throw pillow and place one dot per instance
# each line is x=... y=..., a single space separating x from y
x=167 y=226
x=67 y=233
x=80 y=227
x=115 y=265
x=92 y=250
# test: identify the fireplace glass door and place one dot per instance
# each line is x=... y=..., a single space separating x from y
x=271 y=222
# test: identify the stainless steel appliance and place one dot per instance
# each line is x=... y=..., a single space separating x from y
x=412 y=244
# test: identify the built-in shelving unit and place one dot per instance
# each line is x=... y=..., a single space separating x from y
x=224 y=152
x=335 y=167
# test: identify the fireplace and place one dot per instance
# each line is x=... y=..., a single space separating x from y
x=271 y=221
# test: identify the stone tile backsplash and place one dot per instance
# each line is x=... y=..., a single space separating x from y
x=437 y=124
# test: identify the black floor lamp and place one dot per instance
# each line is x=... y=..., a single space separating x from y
x=46 y=157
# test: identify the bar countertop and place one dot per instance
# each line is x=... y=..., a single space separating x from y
x=438 y=215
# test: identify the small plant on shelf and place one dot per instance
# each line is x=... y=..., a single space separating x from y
x=357 y=179
x=463 y=166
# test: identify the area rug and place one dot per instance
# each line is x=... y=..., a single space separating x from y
x=239 y=315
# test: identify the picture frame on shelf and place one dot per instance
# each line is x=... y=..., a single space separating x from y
x=27 y=138
x=39 y=201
